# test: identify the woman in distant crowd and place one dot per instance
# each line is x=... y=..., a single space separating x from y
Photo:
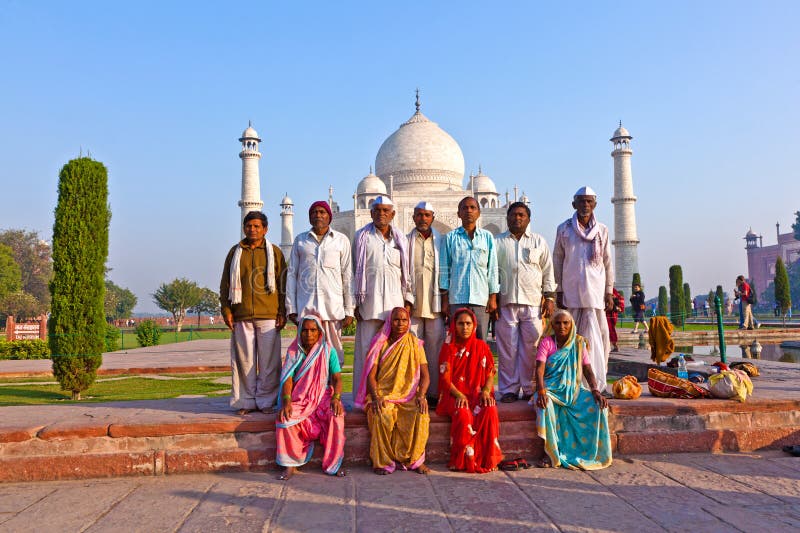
x=637 y=304
x=311 y=401
x=392 y=392
x=466 y=395
x=571 y=420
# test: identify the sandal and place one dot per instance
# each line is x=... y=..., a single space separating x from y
x=793 y=450
x=522 y=463
x=544 y=462
x=341 y=473
x=242 y=412
x=508 y=397
x=509 y=466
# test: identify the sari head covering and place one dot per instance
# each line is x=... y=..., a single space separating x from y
x=376 y=354
x=309 y=372
x=455 y=363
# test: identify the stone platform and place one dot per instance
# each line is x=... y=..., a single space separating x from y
x=202 y=435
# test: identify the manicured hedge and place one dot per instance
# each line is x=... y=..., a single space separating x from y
x=24 y=349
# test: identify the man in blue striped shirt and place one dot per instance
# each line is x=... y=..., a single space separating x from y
x=468 y=274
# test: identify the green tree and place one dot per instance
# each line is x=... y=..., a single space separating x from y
x=663 y=303
x=10 y=274
x=637 y=280
x=796 y=225
x=687 y=299
x=676 y=303
x=20 y=305
x=33 y=256
x=208 y=304
x=783 y=295
x=77 y=324
x=176 y=298
x=119 y=302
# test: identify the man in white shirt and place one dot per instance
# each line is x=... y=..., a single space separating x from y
x=527 y=294
x=382 y=278
x=320 y=275
x=585 y=277
x=427 y=321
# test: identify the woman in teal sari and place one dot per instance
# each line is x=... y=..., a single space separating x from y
x=570 y=419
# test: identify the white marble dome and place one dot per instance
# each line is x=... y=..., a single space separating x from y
x=621 y=132
x=483 y=183
x=420 y=155
x=371 y=184
x=250 y=133
x=287 y=201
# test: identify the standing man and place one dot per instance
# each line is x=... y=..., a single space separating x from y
x=745 y=294
x=527 y=294
x=468 y=268
x=427 y=321
x=585 y=277
x=251 y=294
x=320 y=276
x=382 y=279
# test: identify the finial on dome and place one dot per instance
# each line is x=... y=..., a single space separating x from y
x=480 y=169
x=417 y=103
x=620 y=123
x=249 y=123
x=370 y=170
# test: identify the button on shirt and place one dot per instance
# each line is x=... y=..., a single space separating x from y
x=320 y=276
x=526 y=268
x=468 y=268
x=423 y=276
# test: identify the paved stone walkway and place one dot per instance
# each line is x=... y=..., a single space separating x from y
x=690 y=492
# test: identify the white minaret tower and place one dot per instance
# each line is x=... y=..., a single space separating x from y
x=287 y=226
x=251 y=183
x=626 y=258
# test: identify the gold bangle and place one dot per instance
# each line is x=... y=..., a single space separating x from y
x=287 y=396
x=337 y=396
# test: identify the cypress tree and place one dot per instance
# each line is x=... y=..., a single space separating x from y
x=676 y=303
x=662 y=301
x=637 y=280
x=687 y=299
x=80 y=248
x=783 y=295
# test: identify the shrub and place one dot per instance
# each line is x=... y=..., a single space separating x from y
x=148 y=333
x=677 y=308
x=112 y=338
x=24 y=349
x=350 y=330
x=80 y=249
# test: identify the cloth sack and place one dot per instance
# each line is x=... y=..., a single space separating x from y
x=665 y=385
x=627 y=388
x=661 y=343
x=730 y=384
x=748 y=368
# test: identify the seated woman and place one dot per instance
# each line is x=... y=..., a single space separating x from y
x=392 y=391
x=466 y=395
x=571 y=420
x=310 y=403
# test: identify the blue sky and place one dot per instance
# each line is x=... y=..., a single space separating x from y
x=160 y=92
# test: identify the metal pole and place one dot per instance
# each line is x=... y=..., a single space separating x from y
x=720 y=329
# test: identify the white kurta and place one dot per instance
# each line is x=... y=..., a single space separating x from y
x=584 y=286
x=320 y=276
x=384 y=276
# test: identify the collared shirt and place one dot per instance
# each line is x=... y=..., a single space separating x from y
x=526 y=268
x=583 y=284
x=423 y=276
x=383 y=273
x=320 y=276
x=468 y=267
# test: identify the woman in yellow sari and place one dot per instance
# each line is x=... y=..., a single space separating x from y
x=392 y=392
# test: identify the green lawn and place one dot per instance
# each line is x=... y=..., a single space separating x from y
x=189 y=333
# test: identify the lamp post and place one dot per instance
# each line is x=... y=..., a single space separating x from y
x=720 y=329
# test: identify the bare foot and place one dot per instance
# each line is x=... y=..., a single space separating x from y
x=268 y=410
x=287 y=473
x=381 y=471
x=341 y=473
x=242 y=412
x=423 y=469
x=544 y=462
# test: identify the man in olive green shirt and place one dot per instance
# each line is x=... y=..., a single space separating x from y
x=252 y=293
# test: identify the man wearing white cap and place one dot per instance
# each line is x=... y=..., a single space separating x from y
x=382 y=278
x=427 y=321
x=585 y=277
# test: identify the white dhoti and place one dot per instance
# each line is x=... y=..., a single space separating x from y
x=333 y=334
x=517 y=333
x=365 y=330
x=432 y=333
x=592 y=326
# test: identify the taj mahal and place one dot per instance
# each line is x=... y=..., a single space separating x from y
x=421 y=161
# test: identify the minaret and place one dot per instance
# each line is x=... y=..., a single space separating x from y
x=287 y=226
x=251 y=183
x=626 y=257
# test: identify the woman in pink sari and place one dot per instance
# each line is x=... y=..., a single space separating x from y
x=310 y=403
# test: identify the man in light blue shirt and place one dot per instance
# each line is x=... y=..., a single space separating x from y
x=468 y=274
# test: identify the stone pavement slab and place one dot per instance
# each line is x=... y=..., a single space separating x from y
x=683 y=492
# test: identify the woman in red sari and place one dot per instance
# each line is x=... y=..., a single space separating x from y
x=466 y=395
